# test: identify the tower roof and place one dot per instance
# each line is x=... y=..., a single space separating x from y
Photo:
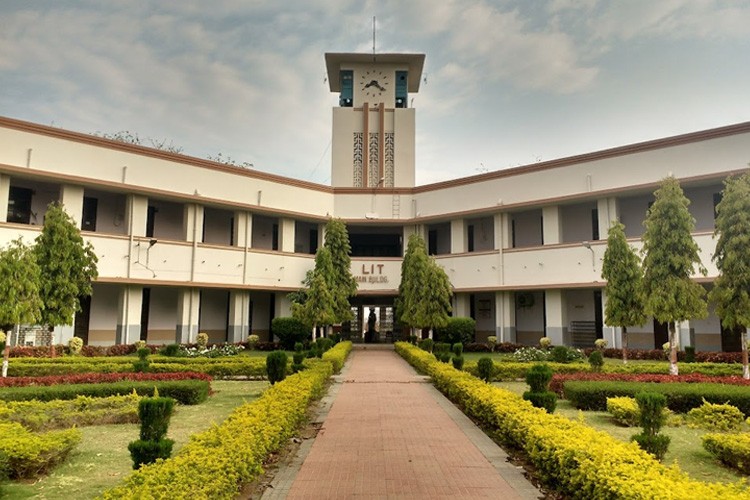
x=336 y=60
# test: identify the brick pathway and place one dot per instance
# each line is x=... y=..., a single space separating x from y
x=388 y=435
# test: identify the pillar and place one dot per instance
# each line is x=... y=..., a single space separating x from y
x=686 y=334
x=243 y=226
x=461 y=305
x=551 y=225
x=192 y=225
x=283 y=306
x=188 y=309
x=408 y=231
x=136 y=214
x=557 y=317
x=286 y=235
x=612 y=334
x=4 y=197
x=503 y=237
x=129 y=314
x=239 y=315
x=608 y=211
x=505 y=316
x=458 y=236
x=71 y=198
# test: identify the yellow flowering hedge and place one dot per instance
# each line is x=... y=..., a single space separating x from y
x=27 y=454
x=337 y=355
x=218 y=461
x=731 y=449
x=569 y=456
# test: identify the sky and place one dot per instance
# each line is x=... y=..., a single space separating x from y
x=506 y=83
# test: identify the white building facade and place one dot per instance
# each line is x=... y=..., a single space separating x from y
x=188 y=245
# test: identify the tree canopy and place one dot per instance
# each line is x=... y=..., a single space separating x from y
x=20 y=302
x=622 y=271
x=318 y=308
x=342 y=284
x=670 y=259
x=67 y=265
x=731 y=290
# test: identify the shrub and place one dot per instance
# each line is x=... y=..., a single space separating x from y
x=477 y=347
x=458 y=349
x=560 y=378
x=147 y=452
x=216 y=462
x=624 y=410
x=75 y=344
x=538 y=395
x=142 y=364
x=337 y=355
x=276 y=366
x=596 y=360
x=458 y=362
x=600 y=344
x=170 y=350
x=28 y=455
x=651 y=406
x=491 y=341
x=458 y=330
x=202 y=340
x=570 y=457
x=689 y=354
x=731 y=449
x=252 y=341
x=154 y=414
x=289 y=331
x=324 y=343
x=139 y=344
x=96 y=378
x=563 y=354
x=530 y=354
x=485 y=367
x=716 y=417
x=426 y=345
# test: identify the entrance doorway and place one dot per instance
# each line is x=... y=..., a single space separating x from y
x=661 y=334
x=373 y=321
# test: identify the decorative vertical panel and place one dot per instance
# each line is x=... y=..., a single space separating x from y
x=357 y=161
x=373 y=163
x=389 y=169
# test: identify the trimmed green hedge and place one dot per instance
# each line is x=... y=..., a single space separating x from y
x=569 y=456
x=731 y=449
x=337 y=355
x=188 y=392
x=61 y=414
x=681 y=397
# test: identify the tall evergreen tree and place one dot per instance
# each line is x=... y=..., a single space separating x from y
x=342 y=285
x=731 y=291
x=436 y=298
x=318 y=308
x=19 y=290
x=622 y=271
x=414 y=271
x=670 y=259
x=67 y=264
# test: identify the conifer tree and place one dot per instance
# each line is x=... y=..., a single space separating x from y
x=731 y=291
x=19 y=290
x=342 y=284
x=670 y=259
x=622 y=271
x=67 y=264
x=318 y=309
x=436 y=299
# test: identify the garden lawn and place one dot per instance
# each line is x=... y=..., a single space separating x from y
x=102 y=459
x=685 y=449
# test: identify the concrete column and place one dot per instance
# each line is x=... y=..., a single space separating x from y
x=461 y=305
x=408 y=231
x=241 y=234
x=129 y=314
x=612 y=334
x=192 y=225
x=503 y=237
x=557 y=317
x=283 y=305
x=71 y=198
x=4 y=197
x=136 y=214
x=608 y=210
x=239 y=315
x=458 y=236
x=321 y=235
x=686 y=334
x=188 y=309
x=286 y=235
x=505 y=316
x=552 y=227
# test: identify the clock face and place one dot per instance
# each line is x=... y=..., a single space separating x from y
x=373 y=83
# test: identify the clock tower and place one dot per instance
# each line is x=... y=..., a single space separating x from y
x=373 y=126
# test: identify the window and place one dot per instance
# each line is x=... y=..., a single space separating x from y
x=402 y=89
x=19 y=205
x=346 y=98
x=88 y=219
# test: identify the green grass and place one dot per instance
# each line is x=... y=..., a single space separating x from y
x=685 y=448
x=102 y=459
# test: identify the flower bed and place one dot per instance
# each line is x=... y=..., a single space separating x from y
x=98 y=378
x=559 y=379
x=568 y=455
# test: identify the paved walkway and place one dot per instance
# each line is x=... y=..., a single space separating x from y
x=390 y=434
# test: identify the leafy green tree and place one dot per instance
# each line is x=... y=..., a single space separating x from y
x=622 y=271
x=318 y=308
x=670 y=259
x=19 y=289
x=342 y=284
x=731 y=291
x=425 y=291
x=67 y=264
